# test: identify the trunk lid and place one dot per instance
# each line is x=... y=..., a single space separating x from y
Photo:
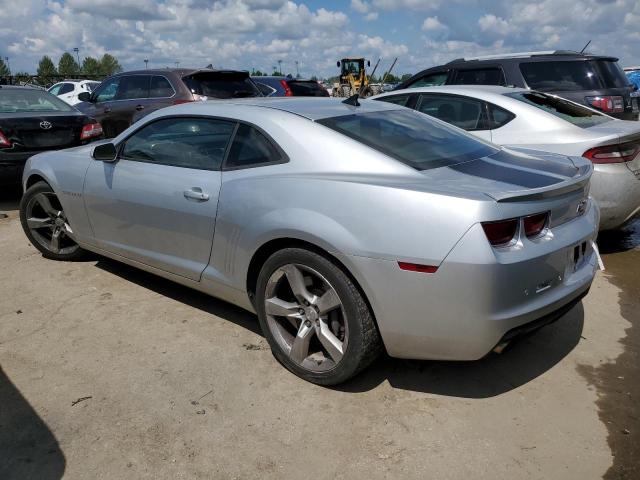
x=42 y=131
x=618 y=132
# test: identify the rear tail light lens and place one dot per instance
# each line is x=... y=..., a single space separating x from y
x=4 y=141
x=608 y=104
x=501 y=232
x=416 y=267
x=287 y=90
x=613 y=153
x=534 y=225
x=91 y=130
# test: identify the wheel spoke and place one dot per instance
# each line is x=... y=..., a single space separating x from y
x=55 y=241
x=300 y=347
x=329 y=341
x=296 y=281
x=328 y=301
x=36 y=223
x=44 y=202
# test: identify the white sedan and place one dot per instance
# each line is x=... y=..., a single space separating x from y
x=70 y=89
x=522 y=118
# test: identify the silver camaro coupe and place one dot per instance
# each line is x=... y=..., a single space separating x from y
x=348 y=228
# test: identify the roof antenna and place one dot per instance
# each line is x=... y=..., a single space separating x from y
x=352 y=100
x=585 y=47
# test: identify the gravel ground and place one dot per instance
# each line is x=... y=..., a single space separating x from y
x=109 y=372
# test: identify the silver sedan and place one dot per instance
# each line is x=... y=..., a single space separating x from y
x=523 y=118
x=348 y=228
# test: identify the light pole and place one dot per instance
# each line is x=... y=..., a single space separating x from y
x=177 y=64
x=280 y=67
x=297 y=70
x=6 y=59
x=146 y=63
x=77 y=52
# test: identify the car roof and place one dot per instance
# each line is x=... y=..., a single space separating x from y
x=278 y=77
x=177 y=71
x=312 y=108
x=484 y=92
x=19 y=87
x=532 y=56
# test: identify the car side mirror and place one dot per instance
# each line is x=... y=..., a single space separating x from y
x=84 y=96
x=105 y=153
x=338 y=64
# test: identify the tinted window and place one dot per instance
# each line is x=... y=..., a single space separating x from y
x=466 y=113
x=183 y=142
x=107 y=90
x=480 y=76
x=160 y=87
x=266 y=90
x=397 y=99
x=91 y=86
x=573 y=75
x=569 y=111
x=251 y=148
x=431 y=80
x=221 y=85
x=55 y=90
x=133 y=87
x=30 y=100
x=307 y=89
x=66 y=88
x=411 y=138
x=498 y=117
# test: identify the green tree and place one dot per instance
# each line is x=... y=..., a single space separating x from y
x=109 y=65
x=406 y=76
x=91 y=66
x=20 y=77
x=67 y=66
x=4 y=70
x=46 y=71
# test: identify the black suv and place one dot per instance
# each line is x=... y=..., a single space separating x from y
x=593 y=80
x=124 y=98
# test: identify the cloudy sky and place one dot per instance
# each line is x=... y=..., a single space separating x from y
x=256 y=34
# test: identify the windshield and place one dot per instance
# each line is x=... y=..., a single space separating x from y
x=410 y=137
x=571 y=112
x=573 y=75
x=30 y=100
x=222 y=85
x=351 y=66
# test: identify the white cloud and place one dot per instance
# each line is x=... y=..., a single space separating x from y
x=371 y=16
x=360 y=6
x=431 y=24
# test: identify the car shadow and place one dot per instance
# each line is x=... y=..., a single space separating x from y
x=493 y=375
x=28 y=448
x=182 y=294
x=621 y=240
x=10 y=199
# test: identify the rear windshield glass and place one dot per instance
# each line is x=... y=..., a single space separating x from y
x=30 y=100
x=307 y=89
x=410 y=137
x=569 y=111
x=222 y=85
x=573 y=75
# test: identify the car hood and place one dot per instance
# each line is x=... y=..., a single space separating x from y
x=515 y=174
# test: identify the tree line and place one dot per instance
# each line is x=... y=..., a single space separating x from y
x=67 y=67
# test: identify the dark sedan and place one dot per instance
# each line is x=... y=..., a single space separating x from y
x=289 y=87
x=33 y=121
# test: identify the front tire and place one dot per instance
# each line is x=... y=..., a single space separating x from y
x=45 y=224
x=314 y=317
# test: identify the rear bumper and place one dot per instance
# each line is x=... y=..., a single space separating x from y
x=478 y=294
x=12 y=166
x=617 y=191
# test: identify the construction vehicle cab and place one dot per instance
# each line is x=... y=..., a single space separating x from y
x=353 y=76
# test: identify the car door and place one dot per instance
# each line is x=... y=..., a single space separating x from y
x=101 y=105
x=131 y=99
x=66 y=92
x=463 y=112
x=157 y=203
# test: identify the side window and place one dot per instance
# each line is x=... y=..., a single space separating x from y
x=160 y=87
x=55 y=90
x=480 y=76
x=266 y=90
x=133 y=87
x=397 y=99
x=251 y=148
x=66 y=88
x=498 y=117
x=430 y=80
x=107 y=90
x=463 y=112
x=181 y=142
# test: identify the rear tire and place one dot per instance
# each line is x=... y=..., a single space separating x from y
x=314 y=317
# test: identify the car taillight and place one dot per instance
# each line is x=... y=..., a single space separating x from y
x=621 y=153
x=180 y=101
x=608 y=104
x=501 y=232
x=416 y=267
x=91 y=130
x=534 y=225
x=4 y=141
x=287 y=90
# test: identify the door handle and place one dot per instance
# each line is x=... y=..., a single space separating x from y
x=196 y=193
x=139 y=107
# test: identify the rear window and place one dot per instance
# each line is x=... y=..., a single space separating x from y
x=561 y=108
x=573 y=75
x=307 y=89
x=221 y=85
x=30 y=100
x=480 y=76
x=410 y=137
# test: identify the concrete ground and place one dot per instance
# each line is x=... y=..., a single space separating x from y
x=109 y=372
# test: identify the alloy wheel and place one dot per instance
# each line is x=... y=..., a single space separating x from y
x=48 y=224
